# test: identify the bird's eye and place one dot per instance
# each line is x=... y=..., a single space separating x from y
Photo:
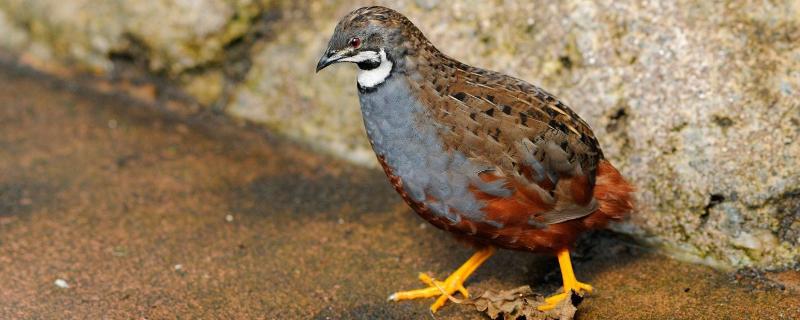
x=354 y=42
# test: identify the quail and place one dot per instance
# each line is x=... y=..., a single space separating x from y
x=494 y=160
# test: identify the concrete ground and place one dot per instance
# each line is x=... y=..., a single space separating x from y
x=108 y=209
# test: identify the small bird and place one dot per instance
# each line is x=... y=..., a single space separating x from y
x=496 y=161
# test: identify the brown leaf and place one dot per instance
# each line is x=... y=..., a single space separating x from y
x=522 y=303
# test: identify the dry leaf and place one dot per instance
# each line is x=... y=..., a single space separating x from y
x=521 y=303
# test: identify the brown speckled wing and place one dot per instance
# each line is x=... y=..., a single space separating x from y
x=530 y=138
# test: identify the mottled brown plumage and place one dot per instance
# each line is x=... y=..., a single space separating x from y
x=534 y=174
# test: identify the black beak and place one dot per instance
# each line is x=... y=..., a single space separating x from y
x=327 y=59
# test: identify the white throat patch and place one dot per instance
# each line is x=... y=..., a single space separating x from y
x=374 y=77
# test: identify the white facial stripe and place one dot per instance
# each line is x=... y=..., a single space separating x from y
x=362 y=56
x=374 y=77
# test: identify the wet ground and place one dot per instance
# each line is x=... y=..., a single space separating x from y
x=108 y=209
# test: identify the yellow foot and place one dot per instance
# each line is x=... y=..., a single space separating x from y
x=552 y=301
x=570 y=283
x=441 y=289
x=444 y=290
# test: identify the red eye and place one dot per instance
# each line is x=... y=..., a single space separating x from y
x=354 y=42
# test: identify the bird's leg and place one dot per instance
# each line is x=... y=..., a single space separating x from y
x=570 y=282
x=445 y=289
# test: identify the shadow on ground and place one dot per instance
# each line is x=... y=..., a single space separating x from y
x=146 y=217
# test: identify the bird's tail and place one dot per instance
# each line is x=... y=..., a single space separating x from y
x=613 y=194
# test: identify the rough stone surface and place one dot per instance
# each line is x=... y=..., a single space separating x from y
x=697 y=102
x=185 y=41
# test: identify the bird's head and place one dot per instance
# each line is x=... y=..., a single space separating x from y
x=371 y=37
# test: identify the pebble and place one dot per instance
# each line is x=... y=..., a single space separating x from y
x=61 y=283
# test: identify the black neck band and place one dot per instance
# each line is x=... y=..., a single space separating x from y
x=369 y=64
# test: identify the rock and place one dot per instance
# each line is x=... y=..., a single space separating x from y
x=184 y=41
x=697 y=103
x=61 y=283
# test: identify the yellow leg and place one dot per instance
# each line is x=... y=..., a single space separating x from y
x=570 y=282
x=445 y=289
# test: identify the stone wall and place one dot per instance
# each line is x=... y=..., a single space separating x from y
x=697 y=102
